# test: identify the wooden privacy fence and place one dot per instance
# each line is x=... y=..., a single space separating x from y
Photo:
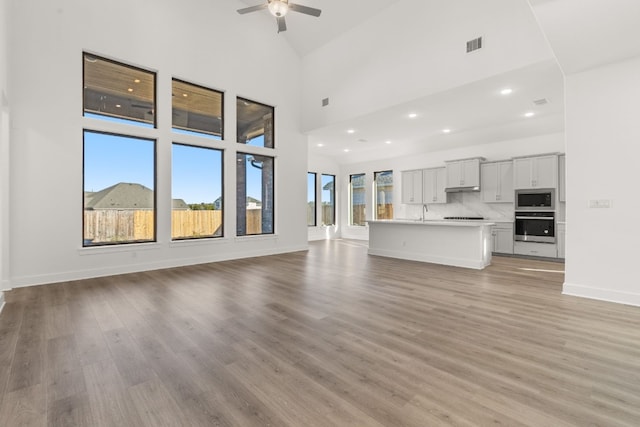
x=110 y=226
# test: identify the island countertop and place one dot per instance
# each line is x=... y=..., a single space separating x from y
x=461 y=243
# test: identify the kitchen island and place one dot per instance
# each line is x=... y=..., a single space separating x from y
x=449 y=242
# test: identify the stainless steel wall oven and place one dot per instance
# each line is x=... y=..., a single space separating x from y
x=535 y=226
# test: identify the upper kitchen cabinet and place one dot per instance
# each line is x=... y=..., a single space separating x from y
x=412 y=187
x=496 y=182
x=434 y=181
x=562 y=183
x=536 y=172
x=463 y=174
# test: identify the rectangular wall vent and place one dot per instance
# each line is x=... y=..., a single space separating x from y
x=325 y=102
x=474 y=44
x=540 y=101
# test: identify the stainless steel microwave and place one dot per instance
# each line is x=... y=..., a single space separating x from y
x=536 y=200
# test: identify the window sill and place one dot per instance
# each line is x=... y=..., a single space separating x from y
x=255 y=237
x=122 y=248
x=205 y=241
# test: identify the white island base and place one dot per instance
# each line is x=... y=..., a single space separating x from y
x=458 y=243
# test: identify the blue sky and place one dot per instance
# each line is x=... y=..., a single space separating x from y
x=196 y=172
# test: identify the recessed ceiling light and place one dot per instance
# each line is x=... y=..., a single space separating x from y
x=387 y=142
x=136 y=81
x=412 y=115
x=185 y=95
x=130 y=90
x=118 y=105
x=346 y=150
x=446 y=130
x=529 y=114
x=320 y=145
x=351 y=131
x=506 y=91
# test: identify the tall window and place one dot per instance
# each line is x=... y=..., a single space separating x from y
x=196 y=191
x=119 y=199
x=254 y=194
x=119 y=189
x=311 y=198
x=196 y=110
x=383 y=194
x=328 y=183
x=118 y=92
x=356 y=199
x=255 y=123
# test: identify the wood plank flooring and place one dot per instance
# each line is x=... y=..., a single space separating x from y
x=328 y=337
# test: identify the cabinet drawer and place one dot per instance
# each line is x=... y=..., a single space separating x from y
x=535 y=249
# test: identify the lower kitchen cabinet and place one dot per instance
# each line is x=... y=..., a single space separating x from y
x=548 y=250
x=502 y=238
x=561 y=232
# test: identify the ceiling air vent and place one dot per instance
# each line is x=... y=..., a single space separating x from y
x=325 y=102
x=541 y=101
x=474 y=44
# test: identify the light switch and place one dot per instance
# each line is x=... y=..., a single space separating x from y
x=600 y=203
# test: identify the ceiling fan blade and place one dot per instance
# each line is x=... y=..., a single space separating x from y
x=252 y=8
x=282 y=26
x=305 y=9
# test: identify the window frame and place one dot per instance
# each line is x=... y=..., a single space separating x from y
x=155 y=191
x=273 y=123
x=273 y=196
x=375 y=192
x=201 y=134
x=334 y=200
x=222 y=195
x=364 y=177
x=315 y=199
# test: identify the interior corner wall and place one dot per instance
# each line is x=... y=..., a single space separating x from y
x=602 y=138
x=4 y=152
x=326 y=165
x=200 y=41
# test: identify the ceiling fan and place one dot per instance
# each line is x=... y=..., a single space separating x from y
x=279 y=9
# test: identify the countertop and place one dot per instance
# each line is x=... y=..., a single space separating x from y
x=434 y=222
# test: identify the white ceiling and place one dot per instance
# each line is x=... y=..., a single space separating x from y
x=582 y=33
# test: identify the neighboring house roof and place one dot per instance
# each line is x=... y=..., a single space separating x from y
x=124 y=195
x=179 y=205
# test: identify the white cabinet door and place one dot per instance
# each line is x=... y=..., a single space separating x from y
x=546 y=172
x=434 y=181
x=503 y=238
x=497 y=182
x=463 y=173
x=412 y=187
x=562 y=183
x=536 y=172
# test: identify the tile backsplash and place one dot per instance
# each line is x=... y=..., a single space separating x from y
x=460 y=204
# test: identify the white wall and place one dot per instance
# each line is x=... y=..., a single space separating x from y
x=4 y=154
x=459 y=204
x=325 y=165
x=200 y=41
x=371 y=67
x=603 y=134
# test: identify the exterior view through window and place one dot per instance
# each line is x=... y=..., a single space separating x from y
x=119 y=189
x=311 y=198
x=356 y=199
x=118 y=92
x=196 y=191
x=328 y=183
x=196 y=110
x=383 y=193
x=255 y=123
x=254 y=194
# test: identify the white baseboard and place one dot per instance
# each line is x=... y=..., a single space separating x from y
x=601 y=294
x=413 y=256
x=24 y=281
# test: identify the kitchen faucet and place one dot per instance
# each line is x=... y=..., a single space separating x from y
x=424 y=211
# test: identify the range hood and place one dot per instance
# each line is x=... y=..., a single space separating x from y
x=461 y=189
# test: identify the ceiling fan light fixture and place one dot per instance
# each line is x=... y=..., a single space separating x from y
x=278 y=8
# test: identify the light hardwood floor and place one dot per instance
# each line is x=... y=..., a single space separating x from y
x=328 y=337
